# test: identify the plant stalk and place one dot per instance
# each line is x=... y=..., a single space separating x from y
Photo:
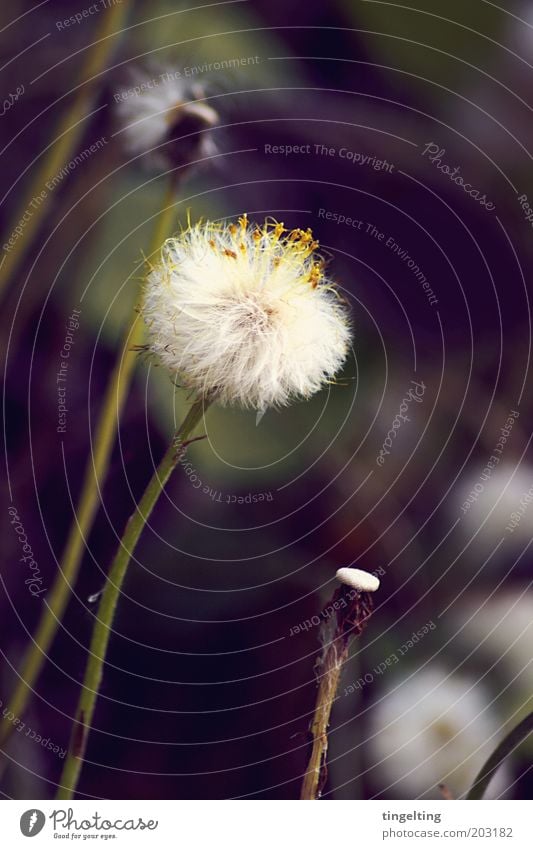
x=505 y=748
x=353 y=609
x=106 y=610
x=95 y=473
x=315 y=776
x=66 y=137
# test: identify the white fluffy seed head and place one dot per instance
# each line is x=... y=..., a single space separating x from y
x=244 y=314
x=358 y=579
x=153 y=109
x=429 y=726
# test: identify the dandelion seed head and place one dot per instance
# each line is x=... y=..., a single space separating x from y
x=432 y=727
x=246 y=314
x=156 y=108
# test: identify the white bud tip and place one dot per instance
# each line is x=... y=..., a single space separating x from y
x=358 y=579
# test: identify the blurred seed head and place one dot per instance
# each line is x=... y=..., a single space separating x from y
x=501 y=629
x=432 y=728
x=165 y=118
x=496 y=503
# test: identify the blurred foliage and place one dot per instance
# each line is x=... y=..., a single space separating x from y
x=438 y=44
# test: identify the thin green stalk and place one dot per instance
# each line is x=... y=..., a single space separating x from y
x=503 y=750
x=66 y=137
x=106 y=610
x=95 y=473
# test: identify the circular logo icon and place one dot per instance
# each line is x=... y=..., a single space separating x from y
x=32 y=822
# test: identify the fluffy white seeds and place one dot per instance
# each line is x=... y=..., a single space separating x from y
x=358 y=579
x=244 y=315
x=154 y=109
x=496 y=503
x=431 y=727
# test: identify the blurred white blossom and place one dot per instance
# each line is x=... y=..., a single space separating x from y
x=433 y=728
x=161 y=115
x=496 y=503
x=502 y=628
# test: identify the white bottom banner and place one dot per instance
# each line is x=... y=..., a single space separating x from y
x=259 y=823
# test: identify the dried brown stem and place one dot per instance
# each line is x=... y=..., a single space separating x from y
x=352 y=611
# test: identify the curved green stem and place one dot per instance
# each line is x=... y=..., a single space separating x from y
x=66 y=137
x=505 y=748
x=95 y=473
x=106 y=610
